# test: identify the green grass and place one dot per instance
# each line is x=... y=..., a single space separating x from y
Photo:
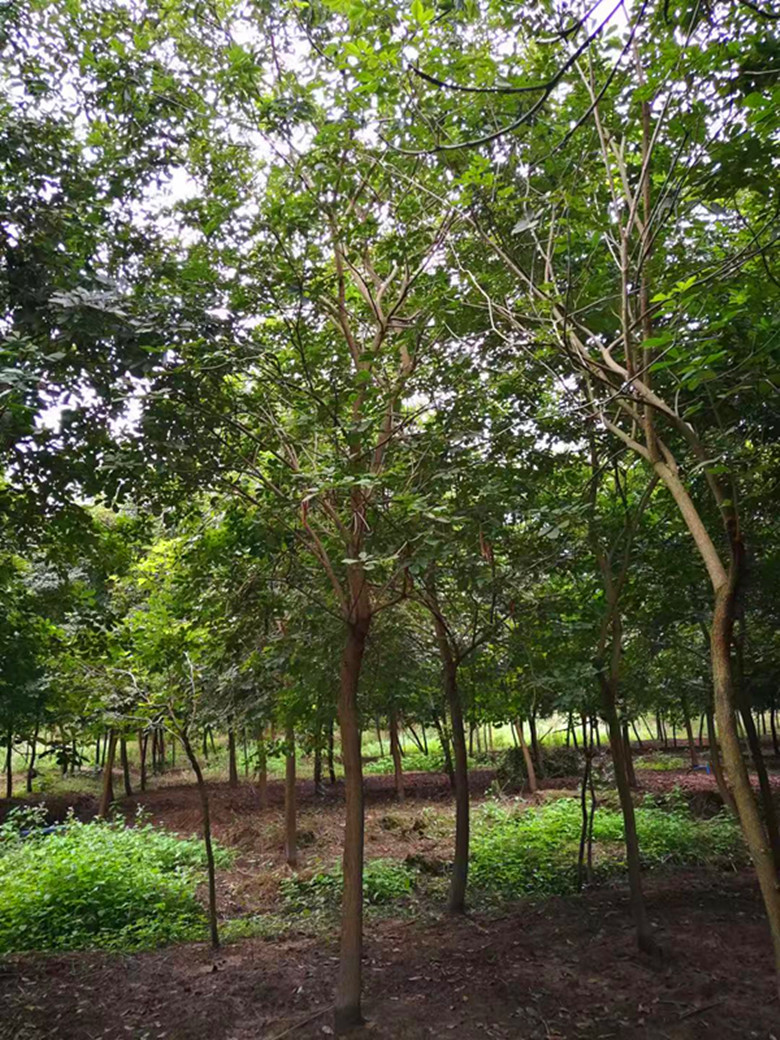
x=534 y=852
x=661 y=764
x=97 y=885
x=384 y=881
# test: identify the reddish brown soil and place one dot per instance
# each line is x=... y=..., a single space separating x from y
x=565 y=968
x=560 y=969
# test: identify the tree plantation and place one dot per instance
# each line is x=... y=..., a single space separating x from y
x=390 y=515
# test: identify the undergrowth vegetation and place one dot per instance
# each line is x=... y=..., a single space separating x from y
x=99 y=884
x=535 y=851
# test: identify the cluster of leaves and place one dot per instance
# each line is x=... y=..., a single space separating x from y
x=96 y=885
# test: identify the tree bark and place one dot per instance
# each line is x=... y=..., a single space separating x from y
x=9 y=766
x=143 y=744
x=290 y=816
x=691 y=742
x=395 y=751
x=331 y=758
x=262 y=772
x=529 y=762
x=125 y=767
x=630 y=773
x=206 y=821
x=348 y=989
x=773 y=728
x=754 y=743
x=723 y=689
x=107 y=792
x=460 y=867
x=717 y=768
x=31 y=763
x=232 y=763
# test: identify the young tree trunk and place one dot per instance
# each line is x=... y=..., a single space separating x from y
x=717 y=768
x=724 y=696
x=31 y=763
x=767 y=802
x=290 y=816
x=425 y=738
x=331 y=759
x=629 y=758
x=143 y=744
x=395 y=751
x=262 y=772
x=644 y=934
x=379 y=739
x=457 y=897
x=639 y=742
x=9 y=766
x=691 y=742
x=536 y=747
x=529 y=762
x=125 y=767
x=773 y=728
x=319 y=787
x=232 y=763
x=206 y=821
x=415 y=738
x=107 y=791
x=348 y=989
x=97 y=752
x=445 y=747
x=245 y=751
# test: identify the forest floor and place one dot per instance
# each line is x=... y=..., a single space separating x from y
x=560 y=968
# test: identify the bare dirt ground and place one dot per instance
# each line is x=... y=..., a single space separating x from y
x=558 y=969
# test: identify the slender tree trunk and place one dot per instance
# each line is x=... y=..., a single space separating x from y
x=644 y=934
x=415 y=738
x=9 y=766
x=379 y=738
x=723 y=689
x=97 y=752
x=348 y=989
x=691 y=742
x=290 y=814
x=773 y=728
x=206 y=821
x=125 y=767
x=232 y=764
x=143 y=744
x=425 y=738
x=639 y=743
x=529 y=762
x=460 y=866
x=629 y=758
x=717 y=768
x=319 y=787
x=262 y=772
x=395 y=751
x=701 y=731
x=536 y=747
x=245 y=751
x=107 y=792
x=331 y=759
x=445 y=747
x=31 y=763
x=770 y=814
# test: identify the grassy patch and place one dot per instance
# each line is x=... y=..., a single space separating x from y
x=535 y=852
x=97 y=885
x=384 y=881
x=661 y=763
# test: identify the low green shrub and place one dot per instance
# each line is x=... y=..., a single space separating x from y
x=97 y=885
x=558 y=761
x=412 y=762
x=535 y=851
x=384 y=881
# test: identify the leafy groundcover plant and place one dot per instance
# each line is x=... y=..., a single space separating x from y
x=101 y=884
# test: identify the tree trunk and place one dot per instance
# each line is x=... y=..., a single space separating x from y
x=770 y=815
x=529 y=762
x=262 y=772
x=206 y=821
x=9 y=765
x=723 y=689
x=232 y=764
x=717 y=768
x=457 y=897
x=290 y=820
x=536 y=747
x=319 y=787
x=644 y=934
x=445 y=747
x=331 y=760
x=125 y=767
x=107 y=792
x=379 y=739
x=630 y=773
x=348 y=989
x=773 y=728
x=143 y=744
x=31 y=763
x=395 y=751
